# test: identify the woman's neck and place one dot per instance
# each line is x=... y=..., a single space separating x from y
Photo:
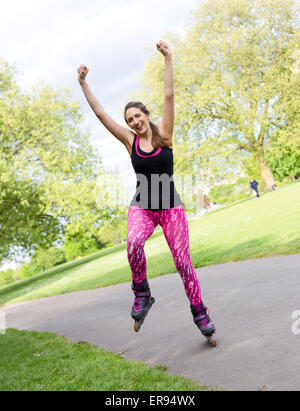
x=147 y=137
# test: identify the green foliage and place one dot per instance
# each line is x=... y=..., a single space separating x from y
x=7 y=74
x=80 y=245
x=112 y=236
x=50 y=175
x=44 y=259
x=24 y=220
x=250 y=167
x=283 y=149
x=6 y=277
x=228 y=193
x=10 y=276
x=284 y=157
x=23 y=271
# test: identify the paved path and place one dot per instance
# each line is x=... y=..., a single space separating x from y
x=251 y=303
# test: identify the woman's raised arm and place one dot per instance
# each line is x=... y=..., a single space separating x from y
x=166 y=125
x=120 y=132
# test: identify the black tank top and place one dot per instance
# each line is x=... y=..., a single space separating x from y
x=155 y=189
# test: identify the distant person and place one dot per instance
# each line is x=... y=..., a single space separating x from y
x=150 y=150
x=254 y=187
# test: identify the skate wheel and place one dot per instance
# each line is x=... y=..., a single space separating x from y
x=136 y=326
x=212 y=341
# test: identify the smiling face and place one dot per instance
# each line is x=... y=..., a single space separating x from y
x=137 y=120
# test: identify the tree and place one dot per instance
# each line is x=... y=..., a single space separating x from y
x=233 y=69
x=284 y=156
x=283 y=151
x=50 y=175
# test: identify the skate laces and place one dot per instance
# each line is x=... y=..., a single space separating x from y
x=202 y=317
x=139 y=297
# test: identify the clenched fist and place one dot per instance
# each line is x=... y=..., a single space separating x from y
x=82 y=72
x=164 y=48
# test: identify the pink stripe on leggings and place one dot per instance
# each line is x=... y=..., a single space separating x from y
x=140 y=226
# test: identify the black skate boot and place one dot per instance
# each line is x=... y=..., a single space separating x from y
x=203 y=322
x=142 y=303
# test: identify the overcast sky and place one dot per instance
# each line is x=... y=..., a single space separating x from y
x=49 y=39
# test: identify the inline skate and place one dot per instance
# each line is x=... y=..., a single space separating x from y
x=203 y=322
x=142 y=303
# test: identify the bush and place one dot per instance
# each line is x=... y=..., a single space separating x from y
x=228 y=193
x=43 y=260
x=22 y=272
x=51 y=258
x=6 y=277
x=283 y=155
x=112 y=237
x=80 y=245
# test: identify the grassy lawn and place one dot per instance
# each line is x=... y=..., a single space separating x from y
x=250 y=229
x=32 y=361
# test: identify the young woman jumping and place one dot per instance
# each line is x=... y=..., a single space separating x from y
x=156 y=200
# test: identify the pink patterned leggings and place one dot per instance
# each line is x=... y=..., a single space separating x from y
x=140 y=226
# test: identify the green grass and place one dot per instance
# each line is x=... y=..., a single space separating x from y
x=250 y=229
x=32 y=361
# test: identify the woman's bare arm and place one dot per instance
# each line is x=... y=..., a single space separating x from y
x=120 y=132
x=166 y=125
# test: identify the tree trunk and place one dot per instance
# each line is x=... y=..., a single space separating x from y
x=266 y=173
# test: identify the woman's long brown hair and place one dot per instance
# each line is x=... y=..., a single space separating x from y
x=157 y=140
